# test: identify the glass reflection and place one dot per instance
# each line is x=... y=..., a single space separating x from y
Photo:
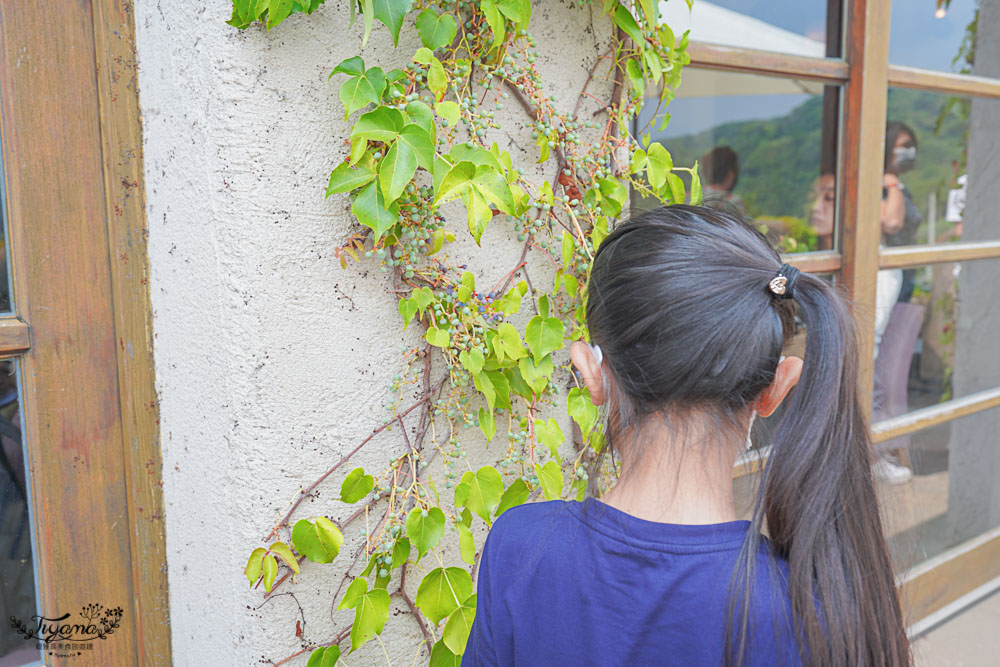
x=939 y=344
x=17 y=573
x=798 y=27
x=936 y=35
x=766 y=147
x=939 y=170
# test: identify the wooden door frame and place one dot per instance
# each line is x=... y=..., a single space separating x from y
x=82 y=322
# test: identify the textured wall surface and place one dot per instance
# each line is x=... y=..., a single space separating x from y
x=272 y=361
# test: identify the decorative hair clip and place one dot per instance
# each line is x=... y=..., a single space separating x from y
x=783 y=283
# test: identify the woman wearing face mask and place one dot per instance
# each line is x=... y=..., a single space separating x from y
x=900 y=219
x=900 y=216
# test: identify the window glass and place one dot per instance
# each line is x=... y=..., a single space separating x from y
x=798 y=27
x=940 y=169
x=17 y=571
x=938 y=343
x=766 y=146
x=933 y=34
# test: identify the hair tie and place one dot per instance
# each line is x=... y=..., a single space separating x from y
x=782 y=284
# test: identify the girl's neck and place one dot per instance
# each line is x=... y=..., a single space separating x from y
x=671 y=479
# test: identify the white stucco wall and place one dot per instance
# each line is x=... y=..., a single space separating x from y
x=271 y=360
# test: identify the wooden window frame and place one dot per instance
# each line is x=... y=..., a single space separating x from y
x=866 y=76
x=82 y=324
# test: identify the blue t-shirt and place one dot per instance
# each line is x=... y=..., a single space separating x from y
x=583 y=583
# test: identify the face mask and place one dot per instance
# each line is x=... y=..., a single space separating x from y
x=904 y=158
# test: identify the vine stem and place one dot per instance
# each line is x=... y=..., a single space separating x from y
x=312 y=487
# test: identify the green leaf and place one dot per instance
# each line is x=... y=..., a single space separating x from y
x=318 y=541
x=456 y=182
x=396 y=169
x=278 y=11
x=658 y=166
x=581 y=409
x=370 y=209
x=436 y=31
x=485 y=490
x=438 y=337
x=252 y=570
x=448 y=110
x=695 y=185
x=568 y=249
x=360 y=91
x=516 y=494
x=423 y=117
x=391 y=13
x=368 y=10
x=549 y=434
x=479 y=212
x=355 y=591
x=369 y=617
x=442 y=591
x=400 y=551
x=518 y=11
x=676 y=188
x=508 y=343
x=501 y=386
x=456 y=630
x=550 y=476
x=614 y=194
x=485 y=385
x=352 y=66
x=634 y=71
x=469 y=279
x=437 y=80
x=472 y=360
x=510 y=303
x=487 y=424
x=380 y=124
x=626 y=22
x=543 y=145
x=324 y=657
x=495 y=21
x=346 y=178
x=536 y=375
x=425 y=531
x=423 y=298
x=270 y=571
x=407 y=308
x=467 y=544
x=281 y=550
x=651 y=10
x=543 y=335
x=419 y=141
x=441 y=656
x=356 y=486
x=492 y=185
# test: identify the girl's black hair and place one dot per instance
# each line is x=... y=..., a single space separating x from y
x=679 y=303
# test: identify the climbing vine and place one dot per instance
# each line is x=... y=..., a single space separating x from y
x=418 y=146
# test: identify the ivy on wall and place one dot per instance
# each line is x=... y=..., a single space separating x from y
x=417 y=143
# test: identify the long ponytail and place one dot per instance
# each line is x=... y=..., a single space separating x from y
x=678 y=301
x=820 y=503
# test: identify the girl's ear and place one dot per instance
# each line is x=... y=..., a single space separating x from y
x=593 y=375
x=785 y=377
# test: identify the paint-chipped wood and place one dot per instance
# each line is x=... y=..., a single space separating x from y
x=121 y=134
x=72 y=151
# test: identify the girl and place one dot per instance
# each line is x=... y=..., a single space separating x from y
x=688 y=311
